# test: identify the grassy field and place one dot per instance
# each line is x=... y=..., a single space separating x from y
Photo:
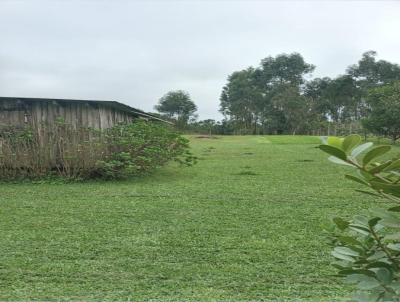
x=244 y=224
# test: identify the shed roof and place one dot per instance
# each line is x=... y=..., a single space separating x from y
x=110 y=104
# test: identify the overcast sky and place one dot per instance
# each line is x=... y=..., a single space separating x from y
x=134 y=52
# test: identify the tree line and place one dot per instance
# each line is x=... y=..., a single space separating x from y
x=280 y=97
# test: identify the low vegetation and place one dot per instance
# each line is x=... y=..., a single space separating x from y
x=119 y=152
x=211 y=232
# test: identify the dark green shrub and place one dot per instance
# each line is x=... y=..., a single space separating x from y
x=367 y=247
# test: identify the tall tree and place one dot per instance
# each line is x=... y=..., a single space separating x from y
x=281 y=79
x=277 y=97
x=294 y=108
x=337 y=98
x=370 y=73
x=384 y=107
x=256 y=97
x=241 y=99
x=344 y=99
x=178 y=105
x=317 y=93
x=284 y=69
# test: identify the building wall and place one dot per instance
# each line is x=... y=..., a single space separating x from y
x=78 y=114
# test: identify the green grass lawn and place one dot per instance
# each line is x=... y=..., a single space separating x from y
x=244 y=224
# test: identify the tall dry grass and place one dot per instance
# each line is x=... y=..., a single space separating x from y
x=59 y=149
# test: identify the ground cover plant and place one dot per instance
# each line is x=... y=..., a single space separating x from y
x=211 y=232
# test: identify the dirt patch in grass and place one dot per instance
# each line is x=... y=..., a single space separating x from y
x=246 y=173
x=207 y=136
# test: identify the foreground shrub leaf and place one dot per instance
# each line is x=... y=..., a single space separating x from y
x=346 y=251
x=335 y=141
x=384 y=275
x=360 y=229
x=395 y=236
x=393 y=189
x=394 y=246
x=339 y=161
x=340 y=223
x=356 y=179
x=369 y=246
x=374 y=153
x=362 y=296
x=379 y=264
x=333 y=151
x=395 y=165
x=342 y=256
x=350 y=142
x=378 y=255
x=369 y=193
x=394 y=209
x=363 y=281
x=372 y=222
x=349 y=240
x=361 y=148
x=382 y=213
x=379 y=167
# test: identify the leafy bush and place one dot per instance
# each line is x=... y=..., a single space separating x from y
x=118 y=152
x=367 y=247
x=141 y=147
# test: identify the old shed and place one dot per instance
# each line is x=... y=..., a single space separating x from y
x=37 y=112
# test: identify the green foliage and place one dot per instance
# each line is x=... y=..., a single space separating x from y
x=208 y=126
x=367 y=247
x=141 y=147
x=241 y=99
x=178 y=105
x=268 y=97
x=276 y=98
x=119 y=152
x=285 y=68
x=196 y=235
x=369 y=72
x=384 y=111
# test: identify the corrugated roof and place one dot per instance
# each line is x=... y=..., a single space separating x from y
x=111 y=104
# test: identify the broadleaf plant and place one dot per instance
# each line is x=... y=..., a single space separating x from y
x=367 y=247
